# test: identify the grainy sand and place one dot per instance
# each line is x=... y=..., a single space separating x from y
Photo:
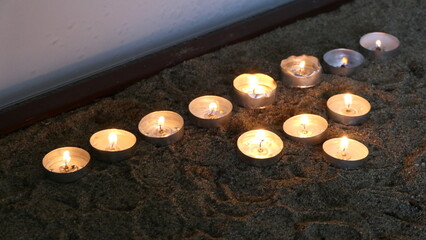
x=199 y=189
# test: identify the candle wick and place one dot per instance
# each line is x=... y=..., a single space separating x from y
x=212 y=113
x=160 y=129
x=378 y=49
x=304 y=130
x=348 y=108
x=260 y=145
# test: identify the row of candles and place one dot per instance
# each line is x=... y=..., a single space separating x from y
x=255 y=91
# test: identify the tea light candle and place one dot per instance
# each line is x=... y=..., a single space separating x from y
x=345 y=153
x=260 y=147
x=301 y=71
x=379 y=45
x=348 y=109
x=162 y=127
x=343 y=61
x=255 y=90
x=306 y=128
x=210 y=111
x=66 y=164
x=113 y=145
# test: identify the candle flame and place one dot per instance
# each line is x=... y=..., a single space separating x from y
x=160 y=121
x=260 y=134
x=213 y=107
x=302 y=65
x=66 y=157
x=260 y=137
x=348 y=100
x=112 y=137
x=378 y=43
x=253 y=83
x=344 y=143
x=304 y=120
x=344 y=61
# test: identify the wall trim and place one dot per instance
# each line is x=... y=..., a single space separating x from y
x=113 y=80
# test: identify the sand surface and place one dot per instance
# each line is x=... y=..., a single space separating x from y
x=199 y=189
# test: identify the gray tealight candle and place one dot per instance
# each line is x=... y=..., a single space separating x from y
x=260 y=147
x=348 y=109
x=113 y=145
x=255 y=91
x=379 y=45
x=345 y=153
x=66 y=164
x=162 y=127
x=210 y=111
x=306 y=128
x=301 y=71
x=343 y=61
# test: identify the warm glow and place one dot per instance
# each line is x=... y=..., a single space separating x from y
x=213 y=107
x=302 y=65
x=260 y=137
x=112 y=137
x=161 y=121
x=253 y=82
x=344 y=143
x=348 y=100
x=378 y=43
x=260 y=134
x=304 y=120
x=66 y=157
x=344 y=61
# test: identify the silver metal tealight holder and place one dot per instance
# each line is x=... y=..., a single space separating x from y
x=343 y=61
x=379 y=45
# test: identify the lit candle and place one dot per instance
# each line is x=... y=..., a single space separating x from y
x=348 y=109
x=260 y=147
x=66 y=164
x=301 y=71
x=345 y=153
x=113 y=145
x=112 y=138
x=306 y=128
x=379 y=45
x=210 y=111
x=343 y=61
x=255 y=90
x=162 y=127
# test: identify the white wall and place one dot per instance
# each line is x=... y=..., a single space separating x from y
x=48 y=43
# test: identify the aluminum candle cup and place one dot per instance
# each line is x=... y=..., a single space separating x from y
x=306 y=128
x=254 y=91
x=113 y=145
x=210 y=111
x=66 y=164
x=162 y=127
x=301 y=71
x=343 y=61
x=260 y=147
x=345 y=153
x=348 y=109
x=379 y=45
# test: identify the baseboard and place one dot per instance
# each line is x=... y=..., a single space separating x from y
x=118 y=78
